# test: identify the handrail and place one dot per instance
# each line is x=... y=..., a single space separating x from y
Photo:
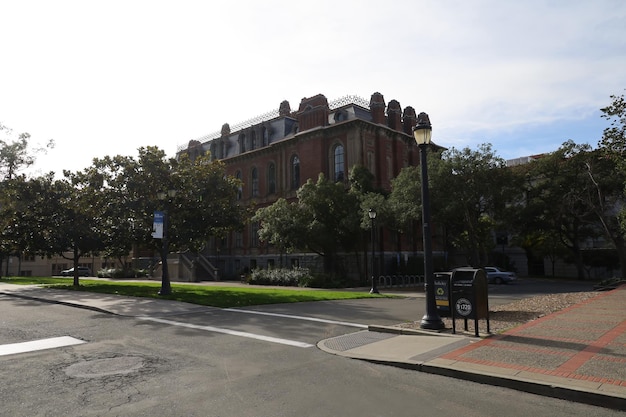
x=211 y=269
x=190 y=260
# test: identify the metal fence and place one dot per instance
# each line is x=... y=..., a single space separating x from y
x=400 y=281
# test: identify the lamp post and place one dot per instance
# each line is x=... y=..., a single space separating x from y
x=166 y=287
x=372 y=215
x=422 y=133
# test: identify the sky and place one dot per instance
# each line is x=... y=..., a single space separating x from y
x=108 y=77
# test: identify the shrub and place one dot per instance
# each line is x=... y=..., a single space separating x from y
x=295 y=277
x=323 y=281
x=117 y=273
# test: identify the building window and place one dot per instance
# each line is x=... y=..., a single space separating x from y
x=338 y=162
x=240 y=187
x=370 y=161
x=242 y=143
x=255 y=182
x=295 y=172
x=213 y=150
x=266 y=136
x=238 y=240
x=253 y=140
x=254 y=234
x=271 y=178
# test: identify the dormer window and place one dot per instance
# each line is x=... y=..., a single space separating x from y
x=266 y=136
x=242 y=143
x=253 y=140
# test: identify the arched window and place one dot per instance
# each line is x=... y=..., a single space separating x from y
x=240 y=189
x=271 y=178
x=255 y=182
x=295 y=172
x=339 y=164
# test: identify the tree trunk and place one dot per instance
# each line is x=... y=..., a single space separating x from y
x=580 y=266
x=329 y=263
x=621 y=253
x=76 y=259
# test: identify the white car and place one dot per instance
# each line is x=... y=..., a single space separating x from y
x=83 y=271
x=497 y=276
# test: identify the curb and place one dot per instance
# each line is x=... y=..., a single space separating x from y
x=518 y=384
x=533 y=387
x=65 y=303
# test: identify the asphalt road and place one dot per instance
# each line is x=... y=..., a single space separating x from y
x=212 y=363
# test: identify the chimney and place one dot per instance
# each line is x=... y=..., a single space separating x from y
x=394 y=115
x=377 y=108
x=409 y=120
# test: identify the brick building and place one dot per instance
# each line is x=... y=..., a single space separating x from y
x=278 y=152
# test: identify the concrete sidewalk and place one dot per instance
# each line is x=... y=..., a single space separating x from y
x=577 y=354
x=104 y=303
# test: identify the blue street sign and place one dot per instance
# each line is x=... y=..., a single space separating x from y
x=157 y=225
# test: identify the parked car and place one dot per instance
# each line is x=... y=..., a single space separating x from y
x=83 y=271
x=497 y=276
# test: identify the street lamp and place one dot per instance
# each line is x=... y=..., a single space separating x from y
x=372 y=215
x=422 y=133
x=166 y=287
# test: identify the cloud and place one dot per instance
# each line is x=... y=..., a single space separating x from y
x=107 y=78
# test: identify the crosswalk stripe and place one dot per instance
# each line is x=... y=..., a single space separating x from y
x=231 y=332
x=41 y=344
x=290 y=316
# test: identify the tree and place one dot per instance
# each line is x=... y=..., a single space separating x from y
x=613 y=142
x=405 y=204
x=605 y=197
x=207 y=202
x=470 y=191
x=566 y=191
x=77 y=222
x=204 y=205
x=16 y=213
x=361 y=180
x=325 y=219
x=331 y=219
x=281 y=226
x=608 y=175
x=17 y=154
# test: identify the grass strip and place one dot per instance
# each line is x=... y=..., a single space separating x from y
x=208 y=295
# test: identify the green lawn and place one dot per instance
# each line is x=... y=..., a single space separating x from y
x=216 y=296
